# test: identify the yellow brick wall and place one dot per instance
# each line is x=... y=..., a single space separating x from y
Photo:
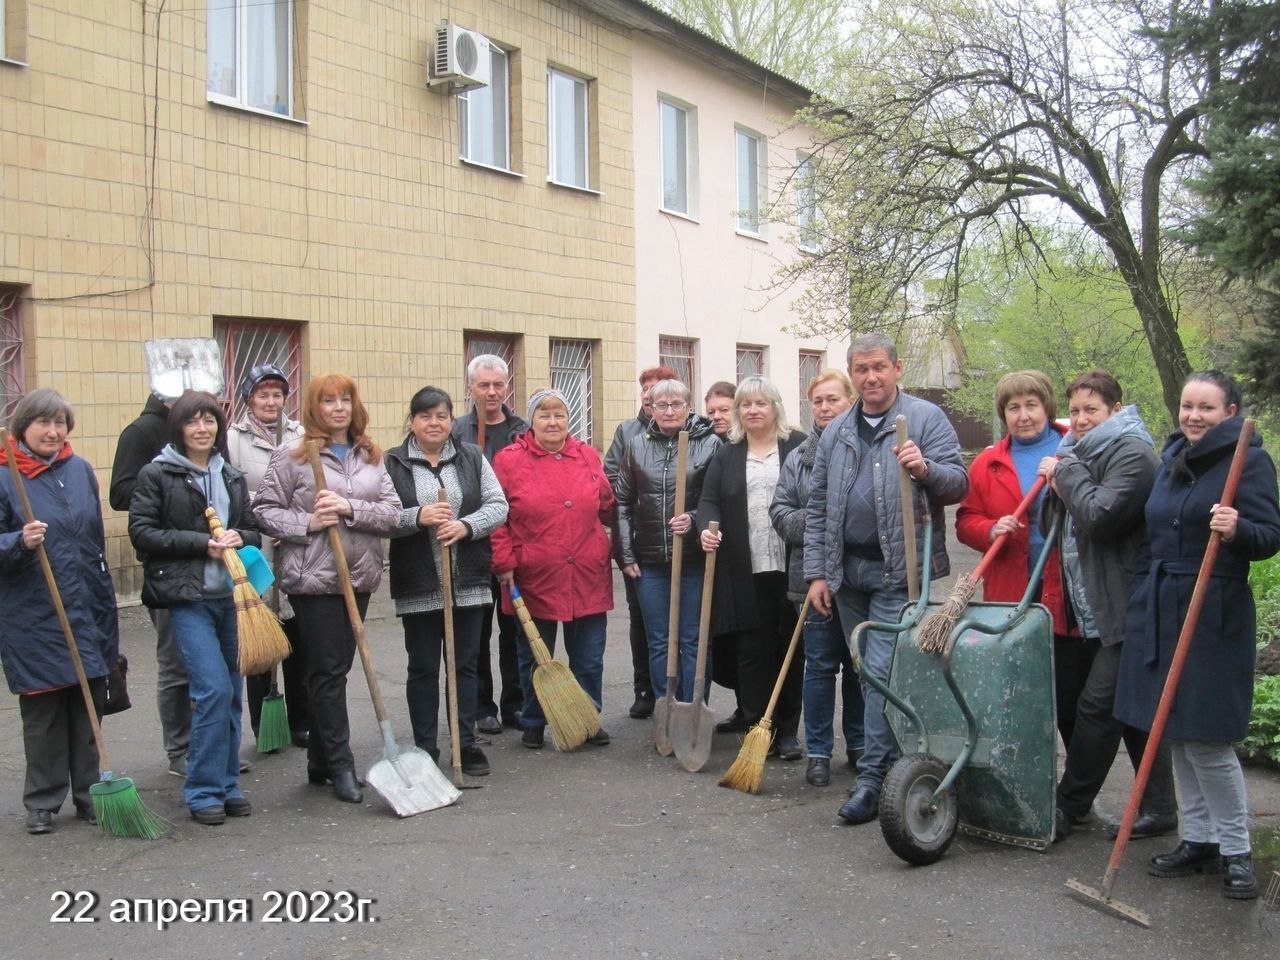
x=360 y=223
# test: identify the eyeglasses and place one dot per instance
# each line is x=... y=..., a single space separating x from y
x=670 y=407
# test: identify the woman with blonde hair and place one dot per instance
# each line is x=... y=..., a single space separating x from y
x=360 y=501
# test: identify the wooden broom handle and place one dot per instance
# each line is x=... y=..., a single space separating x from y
x=677 y=561
x=704 y=617
x=450 y=644
x=348 y=593
x=61 y=611
x=1179 y=660
x=907 y=496
x=786 y=661
x=998 y=544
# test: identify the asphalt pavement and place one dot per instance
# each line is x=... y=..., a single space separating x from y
x=607 y=852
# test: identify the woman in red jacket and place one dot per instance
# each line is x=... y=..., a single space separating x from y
x=998 y=480
x=556 y=548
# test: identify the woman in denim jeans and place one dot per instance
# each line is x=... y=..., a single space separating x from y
x=826 y=647
x=183 y=571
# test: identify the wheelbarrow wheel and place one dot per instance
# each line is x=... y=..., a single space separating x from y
x=917 y=827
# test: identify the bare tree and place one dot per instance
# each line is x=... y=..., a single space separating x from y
x=967 y=123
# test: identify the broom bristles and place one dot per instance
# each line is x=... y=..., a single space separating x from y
x=937 y=627
x=121 y=812
x=570 y=713
x=746 y=773
x=262 y=641
x=273 y=725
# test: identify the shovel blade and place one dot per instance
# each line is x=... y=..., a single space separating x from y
x=662 y=724
x=410 y=783
x=1095 y=898
x=692 y=727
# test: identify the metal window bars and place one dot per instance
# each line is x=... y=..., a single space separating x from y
x=571 y=375
x=247 y=343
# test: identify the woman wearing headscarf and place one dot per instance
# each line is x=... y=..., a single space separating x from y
x=57 y=736
x=750 y=599
x=359 y=501
x=1214 y=697
x=250 y=443
x=431 y=459
x=183 y=571
x=555 y=548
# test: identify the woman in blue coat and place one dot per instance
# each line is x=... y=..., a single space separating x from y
x=1215 y=693
x=56 y=732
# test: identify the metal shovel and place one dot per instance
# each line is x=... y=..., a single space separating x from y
x=408 y=780
x=176 y=366
x=662 y=709
x=693 y=724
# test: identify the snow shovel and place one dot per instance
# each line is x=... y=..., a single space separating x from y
x=176 y=366
x=693 y=724
x=408 y=780
x=662 y=709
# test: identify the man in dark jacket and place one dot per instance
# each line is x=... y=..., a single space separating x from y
x=642 y=708
x=487 y=377
x=139 y=443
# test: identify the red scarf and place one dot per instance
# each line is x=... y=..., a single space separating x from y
x=29 y=466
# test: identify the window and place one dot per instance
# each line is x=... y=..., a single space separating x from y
x=250 y=54
x=751 y=180
x=12 y=384
x=503 y=345
x=810 y=366
x=806 y=203
x=4 y=13
x=247 y=343
x=484 y=116
x=567 y=146
x=750 y=361
x=571 y=375
x=678 y=150
x=677 y=353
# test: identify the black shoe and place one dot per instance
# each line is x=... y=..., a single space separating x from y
x=1186 y=858
x=39 y=821
x=474 y=762
x=489 y=726
x=853 y=757
x=237 y=807
x=789 y=748
x=736 y=722
x=318 y=776
x=212 y=816
x=861 y=807
x=1061 y=825
x=301 y=738
x=1147 y=825
x=642 y=709
x=512 y=721
x=346 y=788
x=818 y=773
x=533 y=738
x=1238 y=881
x=600 y=738
x=87 y=815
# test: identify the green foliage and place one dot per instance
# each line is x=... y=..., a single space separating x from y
x=1264 y=724
x=1264 y=581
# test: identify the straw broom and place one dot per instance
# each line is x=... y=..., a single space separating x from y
x=116 y=803
x=747 y=771
x=570 y=713
x=262 y=642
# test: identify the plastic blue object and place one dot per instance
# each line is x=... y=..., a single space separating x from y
x=259 y=571
x=515 y=593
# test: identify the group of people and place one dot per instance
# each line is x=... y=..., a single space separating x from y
x=808 y=523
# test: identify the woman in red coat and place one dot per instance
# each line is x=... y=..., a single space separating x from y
x=555 y=548
x=998 y=480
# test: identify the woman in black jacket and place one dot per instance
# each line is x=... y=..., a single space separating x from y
x=183 y=571
x=1216 y=689
x=751 y=573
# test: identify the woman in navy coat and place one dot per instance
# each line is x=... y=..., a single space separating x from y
x=56 y=731
x=1215 y=693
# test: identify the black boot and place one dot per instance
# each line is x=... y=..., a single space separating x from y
x=1187 y=858
x=1238 y=881
x=346 y=788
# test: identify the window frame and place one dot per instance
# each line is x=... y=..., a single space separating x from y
x=806 y=202
x=12 y=350
x=499 y=343
x=584 y=369
x=686 y=357
x=750 y=218
x=690 y=158
x=819 y=359
x=752 y=352
x=465 y=125
x=238 y=101
x=238 y=361
x=553 y=171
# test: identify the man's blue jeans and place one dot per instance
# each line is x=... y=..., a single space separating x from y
x=863 y=596
x=653 y=589
x=826 y=654
x=205 y=633
x=584 y=643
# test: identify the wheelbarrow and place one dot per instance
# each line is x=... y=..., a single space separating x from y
x=975 y=725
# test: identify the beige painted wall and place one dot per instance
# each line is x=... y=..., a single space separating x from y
x=696 y=277
x=360 y=223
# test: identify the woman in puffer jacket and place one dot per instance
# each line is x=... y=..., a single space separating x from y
x=361 y=502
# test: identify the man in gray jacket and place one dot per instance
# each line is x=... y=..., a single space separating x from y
x=854 y=546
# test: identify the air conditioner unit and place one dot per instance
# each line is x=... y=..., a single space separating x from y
x=460 y=58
